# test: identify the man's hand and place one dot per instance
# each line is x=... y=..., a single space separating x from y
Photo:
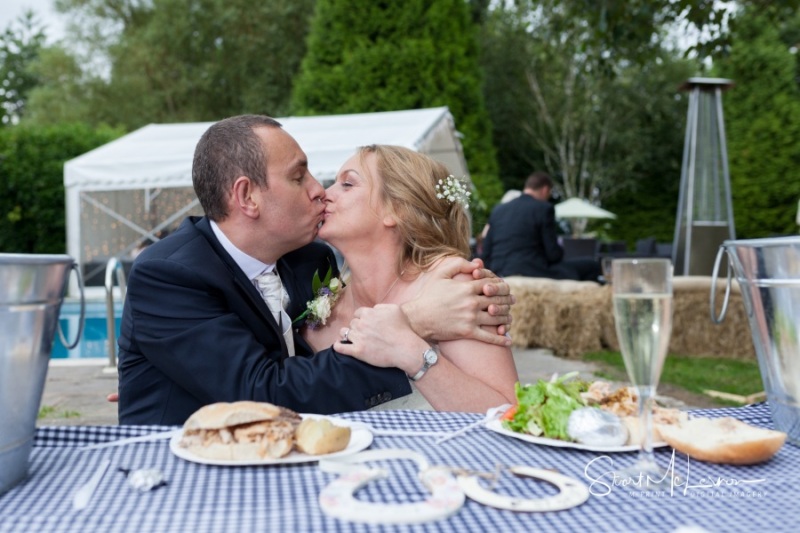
x=449 y=309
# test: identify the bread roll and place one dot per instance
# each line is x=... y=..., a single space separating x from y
x=317 y=436
x=723 y=440
x=661 y=417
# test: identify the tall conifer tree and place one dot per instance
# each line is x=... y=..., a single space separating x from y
x=762 y=113
x=368 y=56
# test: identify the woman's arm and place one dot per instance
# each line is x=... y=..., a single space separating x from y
x=482 y=376
x=469 y=376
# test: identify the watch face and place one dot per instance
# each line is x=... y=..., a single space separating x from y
x=431 y=357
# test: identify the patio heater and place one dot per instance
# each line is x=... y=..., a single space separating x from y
x=705 y=211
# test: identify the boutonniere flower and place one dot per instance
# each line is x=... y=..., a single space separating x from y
x=319 y=309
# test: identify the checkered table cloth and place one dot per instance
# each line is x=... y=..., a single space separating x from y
x=202 y=498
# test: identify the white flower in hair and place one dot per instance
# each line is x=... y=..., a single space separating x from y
x=453 y=190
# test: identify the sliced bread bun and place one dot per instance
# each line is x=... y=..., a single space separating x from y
x=723 y=440
x=240 y=431
x=223 y=414
x=317 y=436
x=268 y=440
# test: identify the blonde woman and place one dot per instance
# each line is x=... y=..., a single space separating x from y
x=394 y=214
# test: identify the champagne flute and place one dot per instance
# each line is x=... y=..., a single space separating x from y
x=642 y=294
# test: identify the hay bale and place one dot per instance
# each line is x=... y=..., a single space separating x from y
x=573 y=323
x=694 y=333
x=572 y=318
x=560 y=315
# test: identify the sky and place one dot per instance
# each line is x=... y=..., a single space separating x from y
x=10 y=10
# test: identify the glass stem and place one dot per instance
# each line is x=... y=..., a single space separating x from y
x=646 y=456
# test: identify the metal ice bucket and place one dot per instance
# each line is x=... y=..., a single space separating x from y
x=32 y=288
x=768 y=272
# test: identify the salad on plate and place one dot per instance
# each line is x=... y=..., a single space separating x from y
x=568 y=409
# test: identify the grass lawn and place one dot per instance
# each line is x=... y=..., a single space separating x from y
x=695 y=374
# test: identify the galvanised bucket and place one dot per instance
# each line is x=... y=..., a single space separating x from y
x=768 y=272
x=32 y=288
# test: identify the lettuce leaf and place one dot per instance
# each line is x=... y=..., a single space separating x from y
x=546 y=405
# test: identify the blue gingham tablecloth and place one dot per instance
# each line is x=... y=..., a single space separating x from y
x=200 y=498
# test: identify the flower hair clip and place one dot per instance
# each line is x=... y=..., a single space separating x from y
x=453 y=190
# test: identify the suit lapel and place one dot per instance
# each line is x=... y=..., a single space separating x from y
x=242 y=282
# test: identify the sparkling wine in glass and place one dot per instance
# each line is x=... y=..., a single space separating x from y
x=642 y=295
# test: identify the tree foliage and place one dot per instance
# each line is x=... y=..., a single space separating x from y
x=586 y=89
x=177 y=60
x=634 y=29
x=32 y=217
x=608 y=128
x=20 y=44
x=763 y=126
x=366 y=56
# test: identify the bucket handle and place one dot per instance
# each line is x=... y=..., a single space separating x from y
x=718 y=319
x=70 y=346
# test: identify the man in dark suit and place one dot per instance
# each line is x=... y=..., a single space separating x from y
x=195 y=328
x=522 y=239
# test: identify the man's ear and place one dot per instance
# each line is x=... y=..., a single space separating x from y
x=246 y=196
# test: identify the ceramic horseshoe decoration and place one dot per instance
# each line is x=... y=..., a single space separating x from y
x=571 y=492
x=338 y=498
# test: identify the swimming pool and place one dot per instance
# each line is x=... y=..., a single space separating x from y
x=94 y=339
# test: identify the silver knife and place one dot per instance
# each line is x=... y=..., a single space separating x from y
x=84 y=494
x=130 y=440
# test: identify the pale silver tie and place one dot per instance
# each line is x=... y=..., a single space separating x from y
x=271 y=288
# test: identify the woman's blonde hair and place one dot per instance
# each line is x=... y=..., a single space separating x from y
x=430 y=228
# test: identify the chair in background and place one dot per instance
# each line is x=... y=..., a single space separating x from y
x=664 y=249
x=645 y=247
x=575 y=248
x=613 y=248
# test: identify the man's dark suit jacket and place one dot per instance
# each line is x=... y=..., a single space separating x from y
x=195 y=330
x=523 y=241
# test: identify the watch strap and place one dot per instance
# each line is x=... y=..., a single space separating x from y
x=425 y=365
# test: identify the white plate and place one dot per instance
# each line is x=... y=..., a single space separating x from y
x=497 y=427
x=360 y=439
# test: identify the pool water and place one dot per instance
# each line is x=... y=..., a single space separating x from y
x=94 y=340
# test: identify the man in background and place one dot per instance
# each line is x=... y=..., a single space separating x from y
x=522 y=239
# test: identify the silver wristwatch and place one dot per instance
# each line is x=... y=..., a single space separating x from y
x=429 y=358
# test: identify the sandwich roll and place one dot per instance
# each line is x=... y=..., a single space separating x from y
x=723 y=440
x=317 y=436
x=240 y=431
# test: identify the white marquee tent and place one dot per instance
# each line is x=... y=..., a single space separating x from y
x=127 y=191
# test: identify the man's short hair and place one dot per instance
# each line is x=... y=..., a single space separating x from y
x=538 y=180
x=228 y=149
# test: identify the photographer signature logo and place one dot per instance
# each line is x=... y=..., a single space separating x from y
x=603 y=479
